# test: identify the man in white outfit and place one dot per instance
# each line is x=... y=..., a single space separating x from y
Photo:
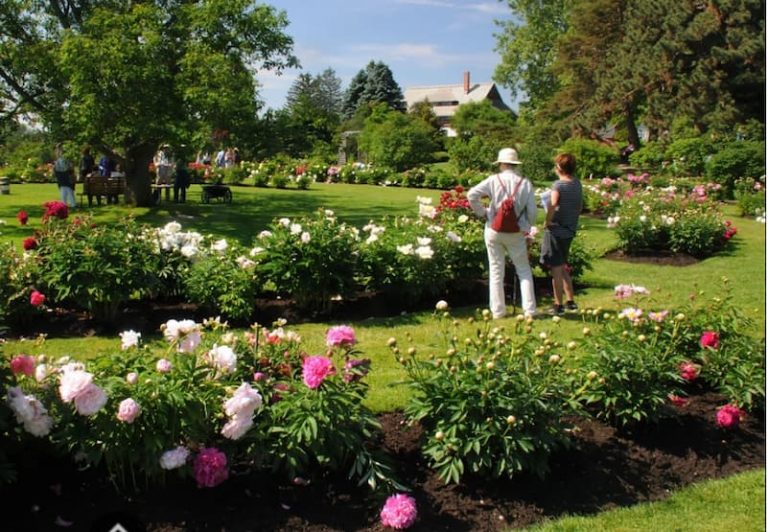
x=496 y=188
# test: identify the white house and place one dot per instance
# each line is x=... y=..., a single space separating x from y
x=446 y=99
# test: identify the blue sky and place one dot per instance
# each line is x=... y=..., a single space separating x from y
x=424 y=42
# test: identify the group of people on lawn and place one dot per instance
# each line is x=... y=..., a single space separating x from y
x=169 y=174
x=562 y=205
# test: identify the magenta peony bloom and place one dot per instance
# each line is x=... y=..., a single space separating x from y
x=128 y=410
x=29 y=243
x=689 y=371
x=36 y=298
x=210 y=468
x=340 y=335
x=23 y=364
x=710 y=339
x=22 y=217
x=55 y=209
x=399 y=511
x=729 y=417
x=316 y=369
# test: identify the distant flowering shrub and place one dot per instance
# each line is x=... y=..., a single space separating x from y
x=399 y=512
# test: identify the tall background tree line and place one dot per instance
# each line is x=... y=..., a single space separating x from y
x=127 y=76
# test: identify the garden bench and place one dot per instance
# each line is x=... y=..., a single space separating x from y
x=97 y=186
x=216 y=192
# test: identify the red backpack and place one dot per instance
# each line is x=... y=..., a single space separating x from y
x=506 y=218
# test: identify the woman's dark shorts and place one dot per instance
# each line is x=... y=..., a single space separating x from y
x=554 y=250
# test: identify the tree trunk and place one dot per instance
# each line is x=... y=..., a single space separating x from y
x=138 y=179
x=633 y=137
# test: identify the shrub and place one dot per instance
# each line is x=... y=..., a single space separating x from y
x=96 y=267
x=649 y=157
x=279 y=180
x=224 y=282
x=592 y=158
x=239 y=398
x=631 y=364
x=310 y=259
x=490 y=404
x=743 y=159
x=750 y=195
x=474 y=153
x=698 y=234
x=17 y=280
x=689 y=156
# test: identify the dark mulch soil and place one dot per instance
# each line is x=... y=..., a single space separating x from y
x=653 y=257
x=605 y=469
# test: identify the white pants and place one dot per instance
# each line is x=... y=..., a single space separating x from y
x=499 y=245
x=67 y=196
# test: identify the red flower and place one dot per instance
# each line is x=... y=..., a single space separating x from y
x=689 y=371
x=729 y=417
x=29 y=243
x=55 y=209
x=677 y=400
x=36 y=298
x=709 y=339
x=22 y=217
x=23 y=364
x=459 y=189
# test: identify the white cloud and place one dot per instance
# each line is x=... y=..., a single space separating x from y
x=493 y=8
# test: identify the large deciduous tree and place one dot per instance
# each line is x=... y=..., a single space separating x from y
x=126 y=76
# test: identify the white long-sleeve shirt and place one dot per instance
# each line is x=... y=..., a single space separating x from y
x=525 y=199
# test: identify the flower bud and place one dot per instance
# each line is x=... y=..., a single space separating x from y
x=602 y=380
x=439 y=435
x=511 y=420
x=554 y=359
x=657 y=329
x=490 y=365
x=586 y=331
x=451 y=352
x=132 y=378
x=486 y=313
x=680 y=317
x=571 y=345
x=528 y=330
x=641 y=338
x=411 y=351
x=592 y=375
x=441 y=305
x=556 y=319
x=520 y=317
x=392 y=342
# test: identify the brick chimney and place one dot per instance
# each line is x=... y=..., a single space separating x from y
x=466 y=82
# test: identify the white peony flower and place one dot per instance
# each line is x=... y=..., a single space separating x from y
x=406 y=249
x=305 y=238
x=220 y=246
x=424 y=252
x=222 y=358
x=129 y=339
x=296 y=229
x=463 y=218
x=453 y=237
x=174 y=458
x=423 y=241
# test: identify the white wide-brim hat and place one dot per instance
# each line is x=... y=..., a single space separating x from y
x=508 y=155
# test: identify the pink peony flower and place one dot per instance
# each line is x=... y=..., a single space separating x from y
x=729 y=417
x=36 y=298
x=259 y=376
x=23 y=364
x=90 y=400
x=709 y=339
x=210 y=468
x=163 y=365
x=128 y=410
x=316 y=369
x=29 y=243
x=689 y=371
x=658 y=317
x=132 y=378
x=399 y=511
x=341 y=335
x=22 y=217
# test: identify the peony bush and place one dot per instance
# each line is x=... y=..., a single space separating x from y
x=210 y=400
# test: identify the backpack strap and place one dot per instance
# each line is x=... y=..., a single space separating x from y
x=514 y=192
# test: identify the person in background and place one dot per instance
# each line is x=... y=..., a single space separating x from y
x=65 y=177
x=106 y=165
x=220 y=158
x=237 y=156
x=229 y=158
x=87 y=163
x=496 y=188
x=181 y=183
x=562 y=223
x=164 y=169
